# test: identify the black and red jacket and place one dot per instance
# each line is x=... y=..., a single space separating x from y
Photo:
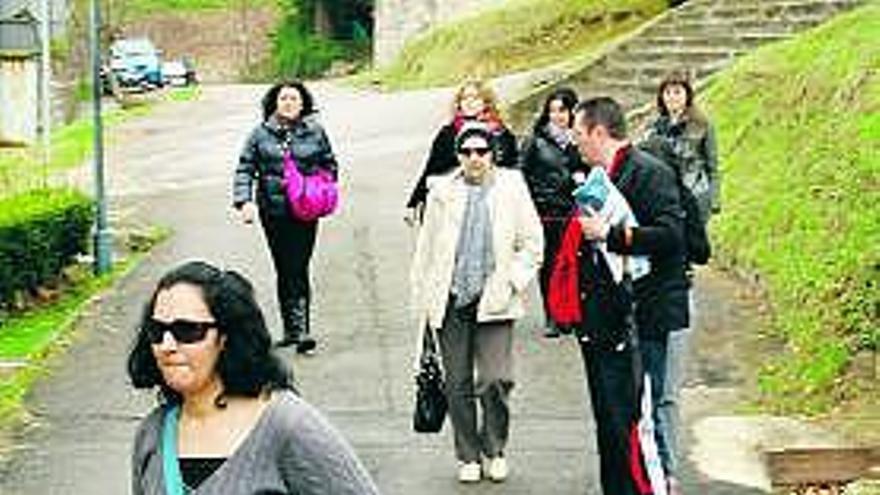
x=662 y=295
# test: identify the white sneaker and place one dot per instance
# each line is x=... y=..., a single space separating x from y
x=469 y=472
x=496 y=469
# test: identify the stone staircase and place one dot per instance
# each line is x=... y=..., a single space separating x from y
x=700 y=37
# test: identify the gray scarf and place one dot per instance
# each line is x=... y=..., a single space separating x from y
x=560 y=135
x=473 y=256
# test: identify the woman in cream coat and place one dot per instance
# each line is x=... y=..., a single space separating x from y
x=479 y=247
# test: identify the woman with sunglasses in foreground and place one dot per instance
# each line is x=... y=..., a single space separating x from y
x=228 y=421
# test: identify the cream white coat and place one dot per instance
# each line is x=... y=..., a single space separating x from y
x=517 y=243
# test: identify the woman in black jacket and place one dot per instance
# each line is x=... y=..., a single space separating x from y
x=474 y=100
x=549 y=158
x=684 y=139
x=289 y=125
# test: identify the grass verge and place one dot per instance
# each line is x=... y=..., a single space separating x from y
x=22 y=169
x=136 y=9
x=522 y=34
x=798 y=125
x=32 y=338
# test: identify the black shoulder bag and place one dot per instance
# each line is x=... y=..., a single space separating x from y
x=431 y=405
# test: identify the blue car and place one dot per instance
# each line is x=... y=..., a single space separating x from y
x=136 y=63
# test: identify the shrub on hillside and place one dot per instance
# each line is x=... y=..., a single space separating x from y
x=297 y=53
x=798 y=130
x=41 y=231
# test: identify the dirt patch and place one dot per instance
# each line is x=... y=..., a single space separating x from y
x=224 y=44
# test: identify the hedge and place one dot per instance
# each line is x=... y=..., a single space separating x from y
x=41 y=231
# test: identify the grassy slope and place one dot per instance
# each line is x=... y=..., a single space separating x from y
x=799 y=127
x=524 y=34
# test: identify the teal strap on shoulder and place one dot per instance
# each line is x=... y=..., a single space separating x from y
x=170 y=466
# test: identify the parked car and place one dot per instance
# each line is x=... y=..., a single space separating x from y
x=136 y=63
x=179 y=72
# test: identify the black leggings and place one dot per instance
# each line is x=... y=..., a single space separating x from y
x=291 y=243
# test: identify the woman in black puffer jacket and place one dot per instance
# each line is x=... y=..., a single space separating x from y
x=549 y=158
x=289 y=124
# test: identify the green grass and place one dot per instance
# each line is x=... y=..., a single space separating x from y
x=799 y=127
x=142 y=8
x=523 y=34
x=186 y=93
x=22 y=169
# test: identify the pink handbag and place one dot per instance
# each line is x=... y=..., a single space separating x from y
x=309 y=196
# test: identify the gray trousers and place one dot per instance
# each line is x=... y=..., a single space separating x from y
x=464 y=345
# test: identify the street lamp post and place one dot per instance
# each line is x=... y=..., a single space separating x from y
x=45 y=79
x=103 y=240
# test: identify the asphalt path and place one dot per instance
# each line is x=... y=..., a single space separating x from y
x=174 y=168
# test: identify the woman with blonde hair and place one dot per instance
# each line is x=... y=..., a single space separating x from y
x=474 y=100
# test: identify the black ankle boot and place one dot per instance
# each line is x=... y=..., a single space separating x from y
x=305 y=344
x=292 y=317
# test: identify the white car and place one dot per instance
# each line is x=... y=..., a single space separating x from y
x=175 y=73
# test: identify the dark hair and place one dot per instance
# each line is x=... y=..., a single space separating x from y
x=477 y=129
x=568 y=98
x=246 y=365
x=680 y=78
x=606 y=112
x=471 y=129
x=270 y=99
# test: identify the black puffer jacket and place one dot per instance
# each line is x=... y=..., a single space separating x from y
x=662 y=295
x=262 y=159
x=442 y=158
x=547 y=169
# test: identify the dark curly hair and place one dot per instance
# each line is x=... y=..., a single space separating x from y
x=246 y=365
x=569 y=100
x=270 y=99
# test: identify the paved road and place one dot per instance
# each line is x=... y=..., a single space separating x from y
x=173 y=168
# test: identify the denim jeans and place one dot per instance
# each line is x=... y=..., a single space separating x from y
x=677 y=348
x=653 y=353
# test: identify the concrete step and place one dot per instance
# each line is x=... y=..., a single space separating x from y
x=766 y=9
x=629 y=90
x=720 y=27
x=701 y=36
x=684 y=55
x=732 y=41
x=656 y=71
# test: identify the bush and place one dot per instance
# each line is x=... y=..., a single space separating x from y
x=299 y=53
x=40 y=233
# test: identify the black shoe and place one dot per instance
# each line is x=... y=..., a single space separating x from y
x=306 y=346
x=287 y=341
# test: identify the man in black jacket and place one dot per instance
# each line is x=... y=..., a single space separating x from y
x=661 y=296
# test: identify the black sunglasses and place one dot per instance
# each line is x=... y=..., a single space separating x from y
x=480 y=151
x=183 y=331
